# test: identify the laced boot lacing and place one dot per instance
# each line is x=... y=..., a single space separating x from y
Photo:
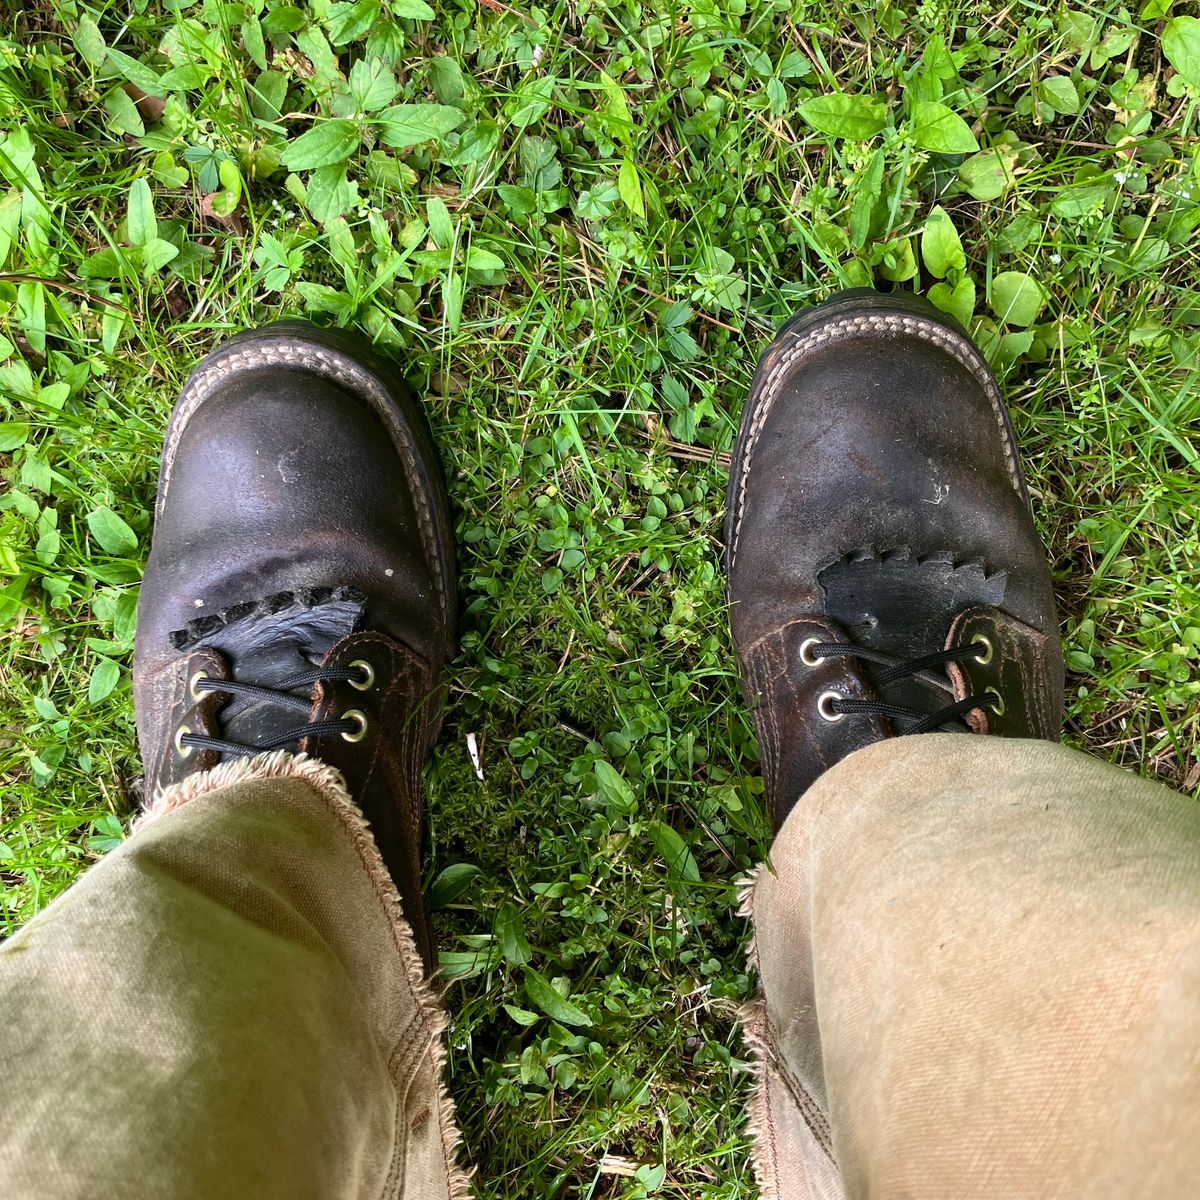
x=351 y=725
x=833 y=706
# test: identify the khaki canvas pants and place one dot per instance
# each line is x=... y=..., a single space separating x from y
x=980 y=967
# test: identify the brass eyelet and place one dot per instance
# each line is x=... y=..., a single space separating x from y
x=193 y=686
x=180 y=733
x=357 y=715
x=989 y=651
x=805 y=652
x=825 y=707
x=368 y=680
x=998 y=707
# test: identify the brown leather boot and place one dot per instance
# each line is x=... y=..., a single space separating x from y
x=884 y=573
x=300 y=590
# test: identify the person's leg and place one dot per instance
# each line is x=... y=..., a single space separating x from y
x=229 y=1004
x=980 y=973
x=232 y=1003
x=976 y=954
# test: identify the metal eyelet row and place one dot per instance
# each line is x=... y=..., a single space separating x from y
x=353 y=714
x=365 y=684
x=985 y=656
x=826 y=700
x=350 y=735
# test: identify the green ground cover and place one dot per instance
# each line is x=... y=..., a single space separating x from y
x=577 y=226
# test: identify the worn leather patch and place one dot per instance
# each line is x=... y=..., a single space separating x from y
x=282 y=614
x=892 y=600
x=902 y=605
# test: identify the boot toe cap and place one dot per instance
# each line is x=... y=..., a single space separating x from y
x=284 y=471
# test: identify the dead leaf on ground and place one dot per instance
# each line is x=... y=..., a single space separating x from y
x=150 y=108
x=177 y=302
x=233 y=221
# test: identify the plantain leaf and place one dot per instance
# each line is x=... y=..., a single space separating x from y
x=542 y=995
x=938 y=128
x=844 y=116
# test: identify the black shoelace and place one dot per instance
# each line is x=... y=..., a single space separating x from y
x=351 y=726
x=898 y=668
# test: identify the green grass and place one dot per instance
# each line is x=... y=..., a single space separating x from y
x=577 y=249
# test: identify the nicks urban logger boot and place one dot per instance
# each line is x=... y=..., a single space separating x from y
x=300 y=590
x=884 y=574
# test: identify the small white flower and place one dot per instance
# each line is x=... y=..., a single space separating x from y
x=1120 y=176
x=1056 y=259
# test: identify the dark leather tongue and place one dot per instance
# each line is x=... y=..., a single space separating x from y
x=266 y=641
x=904 y=606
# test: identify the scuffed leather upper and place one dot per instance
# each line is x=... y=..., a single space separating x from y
x=874 y=429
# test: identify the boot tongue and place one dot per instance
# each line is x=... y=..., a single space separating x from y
x=266 y=641
x=904 y=606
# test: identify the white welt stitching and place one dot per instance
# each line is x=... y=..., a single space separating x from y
x=959 y=348
x=329 y=364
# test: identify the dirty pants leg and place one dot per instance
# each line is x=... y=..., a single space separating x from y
x=229 y=1004
x=980 y=977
